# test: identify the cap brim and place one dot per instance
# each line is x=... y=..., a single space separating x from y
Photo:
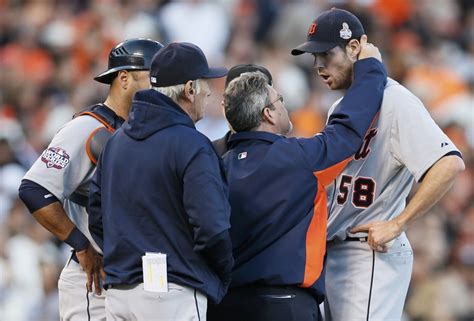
x=216 y=72
x=108 y=76
x=313 y=47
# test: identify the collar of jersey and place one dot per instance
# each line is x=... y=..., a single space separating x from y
x=265 y=136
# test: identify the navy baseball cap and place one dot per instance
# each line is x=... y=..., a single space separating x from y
x=179 y=62
x=238 y=70
x=331 y=28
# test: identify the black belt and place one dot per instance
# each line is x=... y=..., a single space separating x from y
x=358 y=239
x=281 y=291
x=74 y=257
x=262 y=290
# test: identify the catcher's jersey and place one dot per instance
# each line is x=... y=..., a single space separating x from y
x=65 y=169
x=402 y=145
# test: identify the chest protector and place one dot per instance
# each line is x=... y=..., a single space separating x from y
x=98 y=138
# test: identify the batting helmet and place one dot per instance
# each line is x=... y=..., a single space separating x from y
x=131 y=54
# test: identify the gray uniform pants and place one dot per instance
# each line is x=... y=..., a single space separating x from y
x=132 y=303
x=365 y=285
x=75 y=303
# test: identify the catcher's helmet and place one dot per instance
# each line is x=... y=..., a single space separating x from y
x=131 y=54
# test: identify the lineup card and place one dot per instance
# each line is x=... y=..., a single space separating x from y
x=155 y=274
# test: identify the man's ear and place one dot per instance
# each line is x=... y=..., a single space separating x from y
x=189 y=91
x=267 y=116
x=122 y=78
x=353 y=49
x=223 y=107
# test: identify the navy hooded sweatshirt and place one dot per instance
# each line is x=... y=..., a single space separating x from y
x=160 y=187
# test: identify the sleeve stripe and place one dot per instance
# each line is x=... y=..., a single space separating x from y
x=326 y=176
x=316 y=239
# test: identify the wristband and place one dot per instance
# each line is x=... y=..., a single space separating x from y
x=77 y=240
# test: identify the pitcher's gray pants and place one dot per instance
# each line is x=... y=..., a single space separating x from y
x=365 y=285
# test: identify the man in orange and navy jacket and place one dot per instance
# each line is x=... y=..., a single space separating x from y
x=278 y=197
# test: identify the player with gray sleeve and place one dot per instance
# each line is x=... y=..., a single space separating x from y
x=369 y=258
x=56 y=187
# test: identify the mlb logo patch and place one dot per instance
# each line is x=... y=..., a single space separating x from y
x=242 y=155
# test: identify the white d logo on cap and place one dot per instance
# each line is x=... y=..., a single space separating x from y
x=345 y=32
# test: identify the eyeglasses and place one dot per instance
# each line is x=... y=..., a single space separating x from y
x=279 y=98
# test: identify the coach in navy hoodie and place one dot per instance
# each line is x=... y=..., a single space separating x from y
x=160 y=187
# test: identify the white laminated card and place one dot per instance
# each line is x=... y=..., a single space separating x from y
x=155 y=273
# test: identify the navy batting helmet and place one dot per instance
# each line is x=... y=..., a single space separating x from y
x=131 y=54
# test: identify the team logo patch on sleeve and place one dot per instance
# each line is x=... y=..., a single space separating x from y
x=55 y=157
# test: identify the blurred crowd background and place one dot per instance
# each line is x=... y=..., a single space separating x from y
x=51 y=49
